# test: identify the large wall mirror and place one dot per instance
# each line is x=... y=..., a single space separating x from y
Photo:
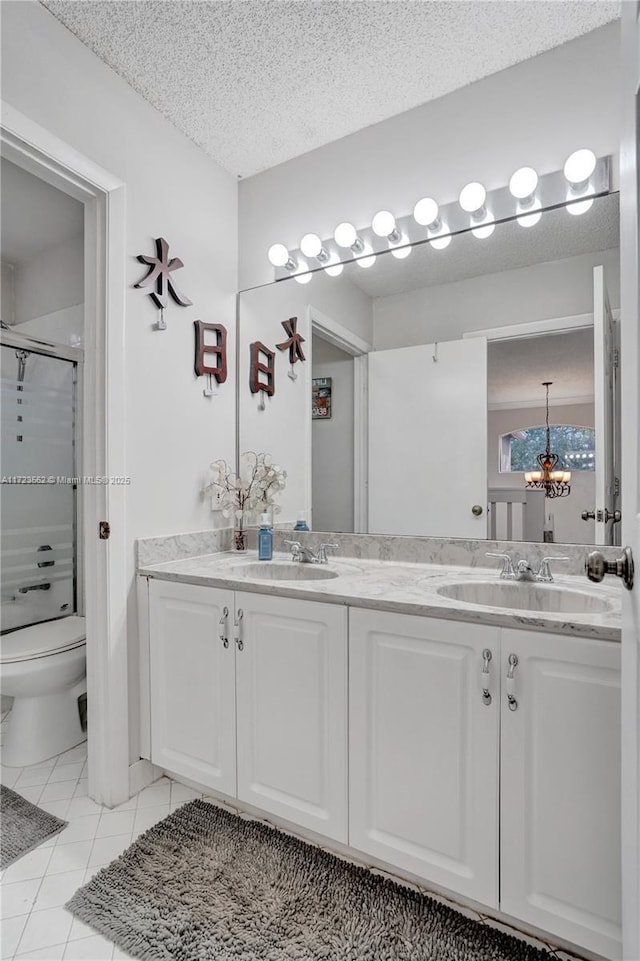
x=429 y=372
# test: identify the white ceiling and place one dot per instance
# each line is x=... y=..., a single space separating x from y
x=257 y=82
x=518 y=368
x=34 y=215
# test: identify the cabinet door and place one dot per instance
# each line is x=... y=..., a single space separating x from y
x=423 y=748
x=560 y=811
x=192 y=683
x=292 y=710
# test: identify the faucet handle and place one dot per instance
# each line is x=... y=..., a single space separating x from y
x=296 y=549
x=322 y=552
x=544 y=571
x=507 y=564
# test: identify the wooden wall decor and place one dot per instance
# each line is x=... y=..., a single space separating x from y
x=295 y=341
x=267 y=383
x=160 y=271
x=211 y=358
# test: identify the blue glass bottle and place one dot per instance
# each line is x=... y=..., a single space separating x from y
x=265 y=539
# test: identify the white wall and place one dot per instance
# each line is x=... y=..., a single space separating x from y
x=172 y=190
x=332 y=442
x=569 y=528
x=283 y=428
x=561 y=288
x=51 y=280
x=536 y=113
x=7 y=293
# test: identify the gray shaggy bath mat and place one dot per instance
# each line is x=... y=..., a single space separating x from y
x=24 y=826
x=206 y=884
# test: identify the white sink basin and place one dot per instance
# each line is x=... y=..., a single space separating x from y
x=526 y=596
x=282 y=571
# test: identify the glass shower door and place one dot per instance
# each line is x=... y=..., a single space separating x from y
x=38 y=503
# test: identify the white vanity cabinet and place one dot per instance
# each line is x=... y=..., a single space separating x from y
x=249 y=697
x=423 y=748
x=192 y=683
x=427 y=755
x=483 y=760
x=291 y=677
x=560 y=787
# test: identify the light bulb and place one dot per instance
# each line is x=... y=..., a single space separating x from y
x=345 y=235
x=472 y=197
x=384 y=223
x=579 y=166
x=523 y=183
x=438 y=242
x=401 y=252
x=425 y=212
x=311 y=245
x=278 y=255
x=334 y=270
x=485 y=231
x=580 y=207
x=366 y=262
x=530 y=219
x=303 y=275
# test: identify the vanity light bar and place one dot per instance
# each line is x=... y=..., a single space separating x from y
x=477 y=210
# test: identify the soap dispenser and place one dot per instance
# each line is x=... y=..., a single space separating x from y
x=301 y=523
x=265 y=539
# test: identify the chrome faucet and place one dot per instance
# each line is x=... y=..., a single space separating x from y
x=306 y=556
x=523 y=570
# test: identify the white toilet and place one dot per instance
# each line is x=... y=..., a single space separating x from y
x=44 y=670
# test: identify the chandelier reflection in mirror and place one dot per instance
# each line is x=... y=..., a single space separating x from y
x=554 y=483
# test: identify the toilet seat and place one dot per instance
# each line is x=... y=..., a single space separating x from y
x=42 y=640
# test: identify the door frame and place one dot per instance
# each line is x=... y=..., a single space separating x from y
x=346 y=340
x=36 y=150
x=630 y=388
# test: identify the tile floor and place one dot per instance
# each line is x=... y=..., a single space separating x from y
x=35 y=925
x=34 y=889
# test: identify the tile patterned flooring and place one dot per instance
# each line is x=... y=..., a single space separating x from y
x=34 y=889
x=35 y=924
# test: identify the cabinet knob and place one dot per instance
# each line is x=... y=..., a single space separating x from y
x=477 y=510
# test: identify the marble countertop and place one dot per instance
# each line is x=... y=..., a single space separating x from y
x=405 y=588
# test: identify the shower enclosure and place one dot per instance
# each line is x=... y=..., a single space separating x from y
x=39 y=495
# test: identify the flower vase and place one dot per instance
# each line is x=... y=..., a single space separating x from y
x=240 y=540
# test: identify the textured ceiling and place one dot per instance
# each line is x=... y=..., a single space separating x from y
x=34 y=215
x=517 y=368
x=556 y=236
x=257 y=82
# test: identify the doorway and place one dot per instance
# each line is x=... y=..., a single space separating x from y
x=34 y=150
x=339 y=475
x=332 y=433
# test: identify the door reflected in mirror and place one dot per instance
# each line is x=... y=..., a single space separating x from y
x=437 y=364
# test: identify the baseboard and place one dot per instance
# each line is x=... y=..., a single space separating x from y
x=141 y=774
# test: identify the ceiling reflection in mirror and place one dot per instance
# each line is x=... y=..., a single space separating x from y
x=429 y=367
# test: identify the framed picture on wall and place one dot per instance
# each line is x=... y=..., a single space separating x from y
x=320 y=398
